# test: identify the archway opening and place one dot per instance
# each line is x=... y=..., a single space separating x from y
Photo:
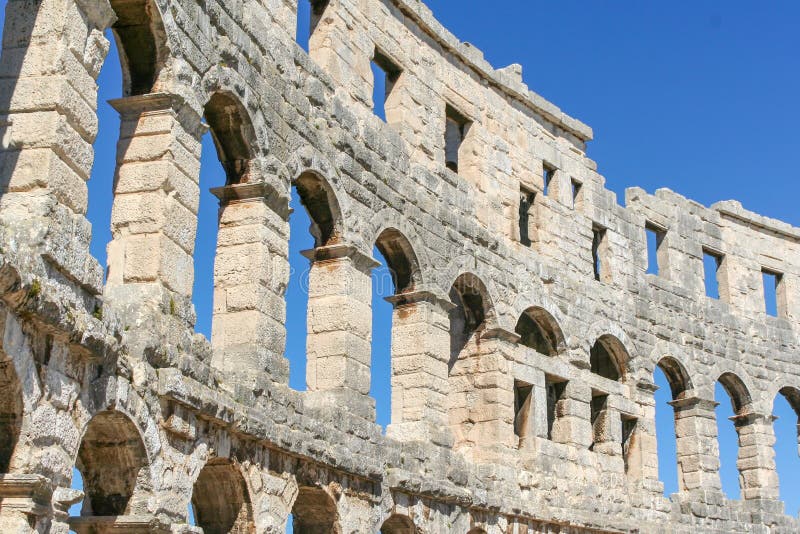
x=398 y=524
x=314 y=512
x=786 y=410
x=609 y=358
x=139 y=38
x=540 y=331
x=314 y=222
x=221 y=501
x=673 y=383
x=733 y=400
x=469 y=317
x=10 y=412
x=113 y=466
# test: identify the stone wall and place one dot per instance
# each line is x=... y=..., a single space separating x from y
x=525 y=335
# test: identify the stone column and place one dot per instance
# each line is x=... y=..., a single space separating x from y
x=251 y=272
x=483 y=396
x=646 y=438
x=420 y=355
x=338 y=346
x=697 y=445
x=756 y=461
x=572 y=423
x=156 y=197
x=52 y=54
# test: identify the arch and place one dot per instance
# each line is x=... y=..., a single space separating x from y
x=315 y=512
x=677 y=376
x=741 y=400
x=11 y=408
x=114 y=466
x=792 y=396
x=609 y=358
x=398 y=524
x=141 y=41
x=221 y=500
x=233 y=136
x=401 y=259
x=474 y=310
x=322 y=206
x=539 y=330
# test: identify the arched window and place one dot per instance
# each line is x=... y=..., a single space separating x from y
x=609 y=358
x=397 y=275
x=315 y=222
x=141 y=50
x=221 y=501
x=787 y=445
x=469 y=317
x=398 y=524
x=10 y=412
x=673 y=383
x=540 y=331
x=314 y=512
x=734 y=401
x=114 y=467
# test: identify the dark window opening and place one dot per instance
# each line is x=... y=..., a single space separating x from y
x=456 y=129
x=556 y=392
x=773 y=282
x=655 y=240
x=526 y=202
x=629 y=425
x=598 y=413
x=599 y=252
x=711 y=266
x=577 y=190
x=522 y=409
x=385 y=74
x=548 y=173
x=309 y=14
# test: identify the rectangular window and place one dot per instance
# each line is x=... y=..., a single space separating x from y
x=712 y=262
x=577 y=196
x=655 y=242
x=309 y=14
x=556 y=392
x=548 y=173
x=773 y=284
x=599 y=253
x=384 y=74
x=456 y=129
x=522 y=409
x=598 y=416
x=629 y=425
x=526 y=202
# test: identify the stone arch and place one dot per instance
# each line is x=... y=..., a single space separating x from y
x=401 y=258
x=11 y=410
x=221 y=499
x=399 y=524
x=314 y=512
x=737 y=390
x=322 y=205
x=678 y=378
x=390 y=218
x=142 y=44
x=114 y=465
x=473 y=312
x=539 y=330
x=233 y=135
x=609 y=358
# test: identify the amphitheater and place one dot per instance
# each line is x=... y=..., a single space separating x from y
x=526 y=329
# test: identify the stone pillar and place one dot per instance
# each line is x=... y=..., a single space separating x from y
x=420 y=356
x=482 y=390
x=572 y=425
x=756 y=461
x=52 y=54
x=646 y=438
x=338 y=346
x=156 y=197
x=697 y=445
x=251 y=272
x=607 y=430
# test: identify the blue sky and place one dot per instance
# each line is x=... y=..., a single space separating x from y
x=685 y=95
